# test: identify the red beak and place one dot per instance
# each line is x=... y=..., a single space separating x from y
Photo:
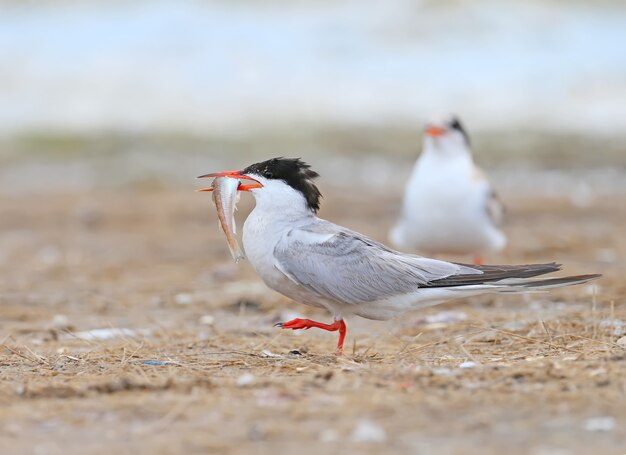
x=435 y=131
x=232 y=174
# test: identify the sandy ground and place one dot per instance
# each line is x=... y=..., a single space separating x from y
x=193 y=363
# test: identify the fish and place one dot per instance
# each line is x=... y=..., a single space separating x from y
x=226 y=196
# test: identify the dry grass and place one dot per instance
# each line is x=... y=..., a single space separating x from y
x=203 y=370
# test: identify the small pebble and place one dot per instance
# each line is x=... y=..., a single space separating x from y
x=50 y=255
x=207 y=319
x=592 y=289
x=329 y=435
x=368 y=431
x=582 y=195
x=245 y=379
x=267 y=353
x=468 y=364
x=89 y=217
x=487 y=336
x=616 y=326
x=606 y=255
x=441 y=371
x=155 y=362
x=596 y=424
x=622 y=342
x=183 y=299
x=60 y=321
x=104 y=334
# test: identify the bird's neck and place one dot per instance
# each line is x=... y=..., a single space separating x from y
x=445 y=150
x=282 y=205
x=268 y=222
x=447 y=156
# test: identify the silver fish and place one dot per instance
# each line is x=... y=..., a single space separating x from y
x=226 y=196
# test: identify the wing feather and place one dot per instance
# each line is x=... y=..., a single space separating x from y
x=347 y=267
x=493 y=206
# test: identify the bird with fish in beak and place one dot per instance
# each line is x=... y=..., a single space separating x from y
x=327 y=266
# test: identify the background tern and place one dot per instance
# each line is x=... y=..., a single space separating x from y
x=449 y=205
x=321 y=264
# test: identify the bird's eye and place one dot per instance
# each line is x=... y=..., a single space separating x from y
x=269 y=174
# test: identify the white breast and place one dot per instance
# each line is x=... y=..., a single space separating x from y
x=260 y=237
x=262 y=231
x=444 y=209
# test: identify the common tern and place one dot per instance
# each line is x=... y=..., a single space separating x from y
x=321 y=264
x=449 y=205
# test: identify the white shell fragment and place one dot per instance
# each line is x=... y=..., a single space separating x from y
x=602 y=423
x=368 y=431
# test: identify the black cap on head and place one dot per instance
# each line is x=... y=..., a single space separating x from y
x=294 y=172
x=455 y=124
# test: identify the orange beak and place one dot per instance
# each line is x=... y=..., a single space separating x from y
x=435 y=131
x=235 y=175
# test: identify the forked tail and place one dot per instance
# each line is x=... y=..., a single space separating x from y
x=549 y=283
x=511 y=278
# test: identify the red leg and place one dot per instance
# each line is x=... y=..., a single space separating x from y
x=338 y=325
x=478 y=260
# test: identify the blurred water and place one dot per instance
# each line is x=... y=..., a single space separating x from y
x=224 y=66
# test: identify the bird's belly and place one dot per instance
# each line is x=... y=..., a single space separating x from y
x=449 y=222
x=280 y=283
x=455 y=232
x=259 y=247
x=393 y=307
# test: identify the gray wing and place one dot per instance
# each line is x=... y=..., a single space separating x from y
x=494 y=208
x=344 y=266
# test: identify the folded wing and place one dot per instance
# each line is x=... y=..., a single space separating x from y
x=347 y=267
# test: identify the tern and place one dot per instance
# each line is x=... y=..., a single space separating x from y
x=321 y=264
x=449 y=205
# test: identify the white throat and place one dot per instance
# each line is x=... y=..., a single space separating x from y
x=279 y=208
x=450 y=145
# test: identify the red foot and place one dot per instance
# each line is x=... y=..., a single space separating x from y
x=478 y=260
x=297 y=324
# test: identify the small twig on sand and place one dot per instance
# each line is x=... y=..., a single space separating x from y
x=409 y=343
x=467 y=353
x=582 y=337
x=125 y=360
x=37 y=357
x=545 y=328
x=534 y=340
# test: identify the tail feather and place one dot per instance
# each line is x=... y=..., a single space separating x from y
x=509 y=278
x=515 y=285
x=495 y=273
x=557 y=282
